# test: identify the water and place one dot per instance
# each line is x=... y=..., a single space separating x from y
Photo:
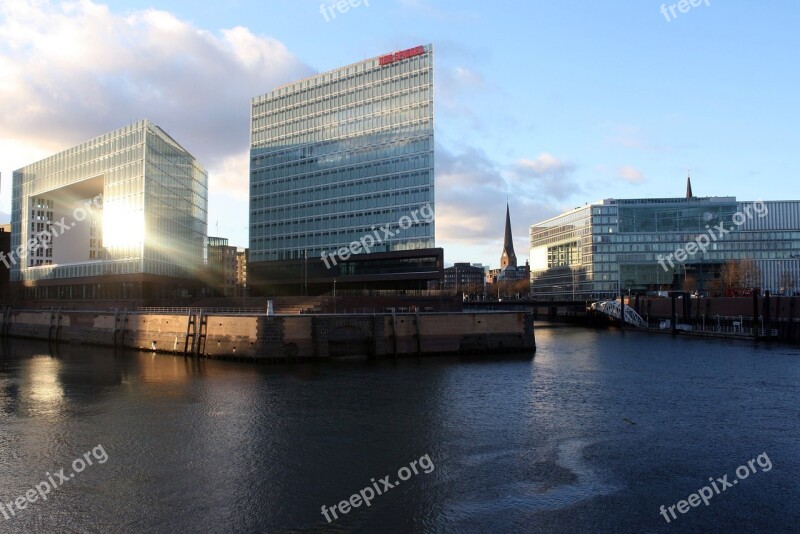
x=594 y=434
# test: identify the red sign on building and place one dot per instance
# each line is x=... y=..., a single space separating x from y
x=403 y=54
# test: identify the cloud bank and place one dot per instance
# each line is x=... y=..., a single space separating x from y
x=472 y=191
x=74 y=70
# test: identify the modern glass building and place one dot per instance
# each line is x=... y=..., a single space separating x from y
x=650 y=245
x=338 y=155
x=123 y=215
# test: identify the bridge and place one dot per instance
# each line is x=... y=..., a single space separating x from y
x=612 y=309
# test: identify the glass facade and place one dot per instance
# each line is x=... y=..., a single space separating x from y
x=338 y=155
x=590 y=252
x=130 y=201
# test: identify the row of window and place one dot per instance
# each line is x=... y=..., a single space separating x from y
x=123 y=141
x=300 y=252
x=363 y=99
x=345 y=152
x=40 y=203
x=410 y=120
x=397 y=200
x=315 y=173
x=337 y=81
x=362 y=188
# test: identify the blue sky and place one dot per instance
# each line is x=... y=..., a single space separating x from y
x=547 y=104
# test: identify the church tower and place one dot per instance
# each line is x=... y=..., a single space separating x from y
x=508 y=257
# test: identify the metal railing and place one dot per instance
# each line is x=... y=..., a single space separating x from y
x=167 y=310
x=736 y=325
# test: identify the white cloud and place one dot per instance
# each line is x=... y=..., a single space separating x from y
x=545 y=176
x=470 y=169
x=471 y=195
x=468 y=77
x=544 y=164
x=228 y=177
x=74 y=70
x=455 y=89
x=631 y=174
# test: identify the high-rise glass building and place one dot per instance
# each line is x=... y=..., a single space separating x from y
x=338 y=155
x=123 y=215
x=644 y=246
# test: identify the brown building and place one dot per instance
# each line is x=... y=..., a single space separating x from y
x=241 y=271
x=222 y=268
x=464 y=277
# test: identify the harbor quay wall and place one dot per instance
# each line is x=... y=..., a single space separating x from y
x=266 y=337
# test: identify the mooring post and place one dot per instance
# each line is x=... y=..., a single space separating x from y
x=394 y=331
x=755 y=315
x=674 y=314
x=419 y=334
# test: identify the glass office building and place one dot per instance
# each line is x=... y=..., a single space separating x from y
x=644 y=246
x=337 y=156
x=120 y=216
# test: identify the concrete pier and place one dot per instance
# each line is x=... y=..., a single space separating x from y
x=198 y=332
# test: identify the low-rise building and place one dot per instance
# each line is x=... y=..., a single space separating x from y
x=651 y=245
x=222 y=267
x=464 y=277
x=241 y=271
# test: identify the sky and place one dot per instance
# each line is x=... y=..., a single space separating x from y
x=544 y=105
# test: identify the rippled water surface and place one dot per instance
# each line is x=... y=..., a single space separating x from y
x=594 y=434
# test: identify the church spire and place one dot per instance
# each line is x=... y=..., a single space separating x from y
x=689 y=186
x=508 y=257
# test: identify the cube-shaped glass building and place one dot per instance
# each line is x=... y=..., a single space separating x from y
x=121 y=216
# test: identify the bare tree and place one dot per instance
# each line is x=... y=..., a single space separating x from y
x=689 y=284
x=750 y=274
x=730 y=277
x=787 y=283
x=523 y=287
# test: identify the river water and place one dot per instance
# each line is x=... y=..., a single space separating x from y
x=594 y=434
